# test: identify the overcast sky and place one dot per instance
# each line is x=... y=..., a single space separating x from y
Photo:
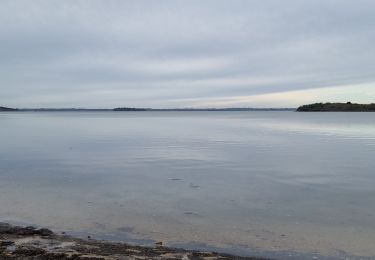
x=200 y=53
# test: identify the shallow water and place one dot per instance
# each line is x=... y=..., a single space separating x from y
x=246 y=181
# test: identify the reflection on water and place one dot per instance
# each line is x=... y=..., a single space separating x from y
x=256 y=181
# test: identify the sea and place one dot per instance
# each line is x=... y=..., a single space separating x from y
x=278 y=184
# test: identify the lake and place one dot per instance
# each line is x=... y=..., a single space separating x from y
x=281 y=184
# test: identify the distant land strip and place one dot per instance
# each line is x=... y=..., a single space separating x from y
x=337 y=107
x=203 y=109
x=130 y=109
x=316 y=107
x=8 y=109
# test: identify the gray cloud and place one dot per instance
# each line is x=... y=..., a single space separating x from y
x=158 y=53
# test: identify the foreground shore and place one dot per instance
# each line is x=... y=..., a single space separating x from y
x=31 y=243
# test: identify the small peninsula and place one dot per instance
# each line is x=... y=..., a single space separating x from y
x=129 y=109
x=337 y=107
x=7 y=109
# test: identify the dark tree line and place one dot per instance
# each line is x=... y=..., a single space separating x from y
x=337 y=107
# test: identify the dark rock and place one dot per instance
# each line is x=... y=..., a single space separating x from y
x=29 y=251
x=45 y=232
x=6 y=243
x=23 y=231
x=159 y=244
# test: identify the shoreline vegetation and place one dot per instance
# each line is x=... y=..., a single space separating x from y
x=337 y=107
x=29 y=243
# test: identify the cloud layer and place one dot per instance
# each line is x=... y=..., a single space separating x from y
x=185 y=53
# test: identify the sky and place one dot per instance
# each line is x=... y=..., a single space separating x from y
x=186 y=53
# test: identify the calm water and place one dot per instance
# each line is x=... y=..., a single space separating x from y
x=245 y=181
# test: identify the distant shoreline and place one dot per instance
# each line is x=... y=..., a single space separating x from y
x=7 y=109
x=337 y=107
x=129 y=109
x=316 y=107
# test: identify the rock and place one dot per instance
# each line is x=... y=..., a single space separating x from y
x=159 y=243
x=29 y=251
x=23 y=231
x=45 y=232
x=6 y=243
x=5 y=228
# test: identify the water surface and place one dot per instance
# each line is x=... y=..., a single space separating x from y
x=245 y=181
